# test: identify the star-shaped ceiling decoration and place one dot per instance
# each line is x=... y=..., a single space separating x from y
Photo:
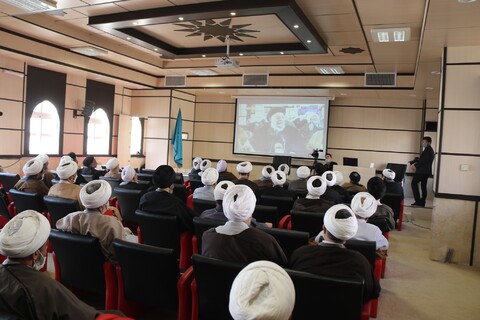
x=352 y=50
x=210 y=29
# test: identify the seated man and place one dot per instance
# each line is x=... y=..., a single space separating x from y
x=94 y=196
x=162 y=201
x=25 y=291
x=113 y=167
x=278 y=179
x=392 y=185
x=206 y=163
x=244 y=169
x=193 y=175
x=383 y=217
x=236 y=241
x=330 y=258
x=313 y=202
x=80 y=178
x=130 y=180
x=300 y=186
x=265 y=181
x=32 y=182
x=89 y=168
x=47 y=175
x=209 y=180
x=354 y=184
x=346 y=198
x=330 y=194
x=223 y=173
x=66 y=188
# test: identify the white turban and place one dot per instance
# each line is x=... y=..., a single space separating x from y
x=239 y=203
x=303 y=172
x=66 y=169
x=196 y=163
x=112 y=163
x=389 y=174
x=267 y=171
x=210 y=176
x=317 y=191
x=278 y=178
x=342 y=229
x=221 y=188
x=43 y=158
x=262 y=290
x=284 y=167
x=24 y=234
x=33 y=167
x=128 y=173
x=95 y=194
x=330 y=178
x=244 y=167
x=338 y=177
x=65 y=159
x=222 y=166
x=205 y=164
x=364 y=204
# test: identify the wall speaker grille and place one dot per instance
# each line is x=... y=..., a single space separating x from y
x=175 y=81
x=255 y=80
x=385 y=79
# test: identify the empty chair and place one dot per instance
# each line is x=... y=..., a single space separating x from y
x=8 y=180
x=289 y=240
x=145 y=177
x=128 y=200
x=265 y=213
x=147 y=277
x=27 y=201
x=395 y=202
x=59 y=208
x=200 y=225
x=311 y=222
x=200 y=205
x=114 y=183
x=283 y=204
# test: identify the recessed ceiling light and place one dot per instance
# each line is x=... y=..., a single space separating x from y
x=221 y=92
x=89 y=51
x=128 y=38
x=308 y=41
x=160 y=55
x=233 y=14
x=241 y=54
x=466 y=1
x=203 y=72
x=34 y=5
x=281 y=52
x=135 y=23
x=296 y=26
x=330 y=69
x=203 y=56
x=436 y=72
x=180 y=18
x=412 y=95
x=428 y=88
x=156 y=49
x=391 y=34
x=343 y=94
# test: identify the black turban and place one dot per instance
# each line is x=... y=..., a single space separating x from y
x=164 y=176
x=88 y=161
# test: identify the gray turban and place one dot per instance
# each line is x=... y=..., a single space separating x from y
x=95 y=194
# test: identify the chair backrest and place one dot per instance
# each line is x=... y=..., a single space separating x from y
x=214 y=280
x=27 y=201
x=149 y=273
x=329 y=298
x=145 y=177
x=394 y=201
x=114 y=183
x=200 y=225
x=81 y=261
x=178 y=178
x=399 y=168
x=147 y=171
x=159 y=230
x=4 y=202
x=200 y=205
x=8 y=180
x=289 y=240
x=87 y=177
x=128 y=200
x=311 y=222
x=180 y=192
x=59 y=208
x=367 y=248
x=265 y=213
x=284 y=204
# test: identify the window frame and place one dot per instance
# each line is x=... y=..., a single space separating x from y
x=59 y=133
x=109 y=138
x=142 y=124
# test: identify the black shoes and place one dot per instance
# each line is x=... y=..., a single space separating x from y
x=418 y=204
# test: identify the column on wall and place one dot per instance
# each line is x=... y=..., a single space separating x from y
x=73 y=127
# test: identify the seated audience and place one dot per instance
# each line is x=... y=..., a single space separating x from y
x=313 y=202
x=113 y=168
x=346 y=198
x=94 y=197
x=300 y=186
x=66 y=188
x=32 y=181
x=130 y=180
x=25 y=291
x=244 y=169
x=278 y=179
x=286 y=169
x=193 y=175
x=330 y=258
x=223 y=173
x=383 y=217
x=209 y=180
x=47 y=175
x=80 y=178
x=392 y=185
x=262 y=290
x=89 y=168
x=162 y=201
x=354 y=184
x=236 y=241
x=265 y=181
x=330 y=194
x=204 y=166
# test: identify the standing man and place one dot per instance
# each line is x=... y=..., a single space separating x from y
x=423 y=169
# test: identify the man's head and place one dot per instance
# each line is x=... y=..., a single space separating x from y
x=73 y=155
x=221 y=188
x=129 y=174
x=210 y=177
x=376 y=187
x=285 y=168
x=389 y=174
x=363 y=205
x=95 y=195
x=276 y=117
x=338 y=177
x=90 y=161
x=164 y=177
x=330 y=178
x=33 y=169
x=328 y=157
x=221 y=166
x=303 y=172
x=24 y=238
x=112 y=164
x=205 y=164
x=44 y=159
x=426 y=141
x=267 y=171
x=196 y=163
x=278 y=178
x=262 y=290
x=354 y=177
x=244 y=169
x=340 y=223
x=316 y=186
x=239 y=203
x=67 y=170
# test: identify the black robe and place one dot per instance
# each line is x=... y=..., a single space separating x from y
x=226 y=175
x=279 y=191
x=247 y=182
x=394 y=187
x=298 y=186
x=312 y=205
x=346 y=197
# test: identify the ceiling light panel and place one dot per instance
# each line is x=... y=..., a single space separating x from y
x=203 y=72
x=391 y=34
x=89 y=51
x=33 y=5
x=330 y=69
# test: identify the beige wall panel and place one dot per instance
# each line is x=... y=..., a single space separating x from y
x=476 y=253
x=73 y=142
x=379 y=159
x=220 y=132
x=75 y=97
x=12 y=114
x=126 y=105
x=463 y=54
x=187 y=107
x=114 y=146
x=156 y=128
x=183 y=95
x=78 y=80
x=156 y=153
x=463 y=132
x=11 y=87
x=462 y=86
x=433 y=104
x=373 y=140
x=215 y=112
x=394 y=103
x=11 y=142
x=431 y=115
x=214 y=82
x=71 y=124
x=206 y=98
x=452 y=222
x=455 y=181
x=117 y=104
x=152 y=93
x=115 y=125
x=214 y=151
x=154 y=106
x=11 y=64
x=408 y=119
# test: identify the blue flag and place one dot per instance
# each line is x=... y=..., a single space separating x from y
x=177 y=141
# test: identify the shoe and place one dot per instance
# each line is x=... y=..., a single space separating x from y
x=414 y=204
x=418 y=204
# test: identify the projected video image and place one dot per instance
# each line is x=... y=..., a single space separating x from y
x=280 y=127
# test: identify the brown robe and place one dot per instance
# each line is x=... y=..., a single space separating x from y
x=32 y=185
x=66 y=190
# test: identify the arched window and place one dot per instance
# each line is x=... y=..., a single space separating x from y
x=136 y=136
x=98 y=133
x=44 y=129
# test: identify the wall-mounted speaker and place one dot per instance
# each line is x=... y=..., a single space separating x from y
x=255 y=80
x=431 y=126
x=381 y=79
x=175 y=81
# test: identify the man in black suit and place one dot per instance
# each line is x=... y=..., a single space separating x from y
x=423 y=169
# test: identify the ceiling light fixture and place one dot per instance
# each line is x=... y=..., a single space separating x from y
x=466 y=1
x=240 y=54
x=128 y=38
x=428 y=88
x=203 y=72
x=33 y=5
x=180 y=18
x=330 y=69
x=233 y=14
x=156 y=49
x=309 y=41
x=281 y=52
x=391 y=34
x=436 y=72
x=296 y=26
x=89 y=51
x=203 y=56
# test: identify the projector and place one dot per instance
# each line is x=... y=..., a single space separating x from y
x=227 y=63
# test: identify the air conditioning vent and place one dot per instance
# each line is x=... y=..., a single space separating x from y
x=382 y=79
x=175 y=81
x=255 y=80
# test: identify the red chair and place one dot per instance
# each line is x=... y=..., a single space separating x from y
x=400 y=216
x=185 y=294
x=188 y=187
x=285 y=222
x=190 y=202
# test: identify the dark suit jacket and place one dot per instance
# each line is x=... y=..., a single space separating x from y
x=424 y=164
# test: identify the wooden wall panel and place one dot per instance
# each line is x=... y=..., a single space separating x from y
x=73 y=142
x=11 y=142
x=463 y=129
x=156 y=128
x=215 y=112
x=11 y=86
x=455 y=181
x=150 y=106
x=219 y=132
x=12 y=114
x=462 y=86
